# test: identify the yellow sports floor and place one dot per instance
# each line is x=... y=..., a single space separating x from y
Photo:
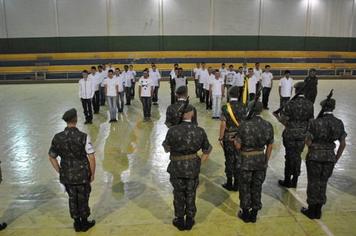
x=131 y=193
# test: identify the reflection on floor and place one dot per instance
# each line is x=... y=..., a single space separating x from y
x=132 y=194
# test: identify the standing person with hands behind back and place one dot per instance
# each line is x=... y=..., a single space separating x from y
x=76 y=169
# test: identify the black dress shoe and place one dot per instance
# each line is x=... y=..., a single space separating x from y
x=179 y=223
x=244 y=215
x=189 y=223
x=77 y=225
x=3 y=226
x=227 y=186
x=253 y=216
x=86 y=225
x=309 y=212
x=284 y=183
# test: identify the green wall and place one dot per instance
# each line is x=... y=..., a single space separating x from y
x=175 y=43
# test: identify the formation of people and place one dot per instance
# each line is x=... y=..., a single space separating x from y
x=246 y=138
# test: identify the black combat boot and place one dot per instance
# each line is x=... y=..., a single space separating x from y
x=3 y=226
x=286 y=182
x=235 y=187
x=318 y=211
x=294 y=182
x=77 y=225
x=253 y=215
x=189 y=223
x=86 y=225
x=178 y=222
x=228 y=184
x=309 y=212
x=244 y=215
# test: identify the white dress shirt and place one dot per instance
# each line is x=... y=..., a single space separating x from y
x=196 y=73
x=286 y=86
x=216 y=85
x=155 y=77
x=252 y=82
x=230 y=77
x=208 y=81
x=267 y=78
x=239 y=81
x=120 y=83
x=146 y=86
x=110 y=86
x=180 y=81
x=203 y=76
x=86 y=88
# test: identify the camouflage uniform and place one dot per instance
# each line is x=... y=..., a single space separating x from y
x=312 y=88
x=73 y=146
x=253 y=134
x=321 y=157
x=183 y=140
x=296 y=114
x=175 y=112
x=232 y=159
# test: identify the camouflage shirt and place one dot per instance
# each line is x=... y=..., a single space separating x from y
x=174 y=114
x=185 y=139
x=238 y=110
x=254 y=135
x=312 y=84
x=296 y=114
x=323 y=132
x=72 y=146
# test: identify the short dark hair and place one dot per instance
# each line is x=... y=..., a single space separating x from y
x=223 y=64
x=180 y=68
x=231 y=65
x=216 y=70
x=176 y=64
x=267 y=66
x=100 y=66
x=240 y=67
x=257 y=63
x=203 y=63
x=126 y=66
x=145 y=70
x=93 y=67
x=287 y=72
x=111 y=71
x=250 y=68
x=85 y=71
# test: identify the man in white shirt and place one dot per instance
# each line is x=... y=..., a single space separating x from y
x=252 y=84
x=133 y=76
x=155 y=76
x=257 y=71
x=223 y=71
x=86 y=93
x=120 y=84
x=206 y=86
x=217 y=92
x=110 y=85
x=245 y=69
x=172 y=82
x=202 y=77
x=230 y=79
x=127 y=77
x=285 y=88
x=180 y=79
x=102 y=75
x=94 y=77
x=267 y=82
x=196 y=79
x=146 y=88
x=239 y=82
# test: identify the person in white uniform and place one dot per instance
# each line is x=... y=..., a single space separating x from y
x=252 y=84
x=267 y=82
x=111 y=91
x=239 y=82
x=285 y=88
x=196 y=79
x=127 y=77
x=94 y=77
x=102 y=75
x=146 y=88
x=202 y=77
x=180 y=79
x=120 y=83
x=133 y=76
x=230 y=79
x=86 y=93
x=206 y=86
x=155 y=76
x=217 y=92
x=172 y=82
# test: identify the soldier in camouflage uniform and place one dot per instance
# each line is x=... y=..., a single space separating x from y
x=311 y=90
x=321 y=158
x=183 y=141
x=228 y=129
x=295 y=117
x=175 y=111
x=76 y=169
x=3 y=225
x=254 y=139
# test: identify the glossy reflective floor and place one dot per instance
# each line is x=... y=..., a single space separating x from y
x=132 y=194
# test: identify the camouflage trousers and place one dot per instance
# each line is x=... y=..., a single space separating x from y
x=78 y=200
x=318 y=175
x=231 y=160
x=293 y=160
x=184 y=191
x=250 y=187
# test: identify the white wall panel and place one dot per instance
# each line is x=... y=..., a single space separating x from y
x=82 y=17
x=186 y=17
x=284 y=17
x=330 y=18
x=236 y=17
x=2 y=21
x=134 y=17
x=30 y=18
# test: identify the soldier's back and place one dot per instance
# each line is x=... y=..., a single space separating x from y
x=174 y=113
x=299 y=111
x=238 y=112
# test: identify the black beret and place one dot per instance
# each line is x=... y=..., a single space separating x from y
x=299 y=85
x=182 y=90
x=189 y=108
x=234 y=92
x=328 y=105
x=69 y=115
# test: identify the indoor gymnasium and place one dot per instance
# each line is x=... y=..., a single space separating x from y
x=177 y=117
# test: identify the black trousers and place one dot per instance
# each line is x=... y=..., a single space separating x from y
x=283 y=101
x=201 y=93
x=78 y=200
x=146 y=103
x=102 y=96
x=128 y=95
x=265 y=96
x=241 y=90
x=208 y=101
x=251 y=97
x=88 y=113
x=228 y=86
x=196 y=82
x=155 y=95
x=96 y=101
x=133 y=89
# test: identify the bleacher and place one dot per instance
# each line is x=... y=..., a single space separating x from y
x=67 y=66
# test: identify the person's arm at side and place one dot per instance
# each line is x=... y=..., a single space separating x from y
x=222 y=131
x=54 y=163
x=52 y=156
x=92 y=164
x=269 y=142
x=206 y=147
x=341 y=148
